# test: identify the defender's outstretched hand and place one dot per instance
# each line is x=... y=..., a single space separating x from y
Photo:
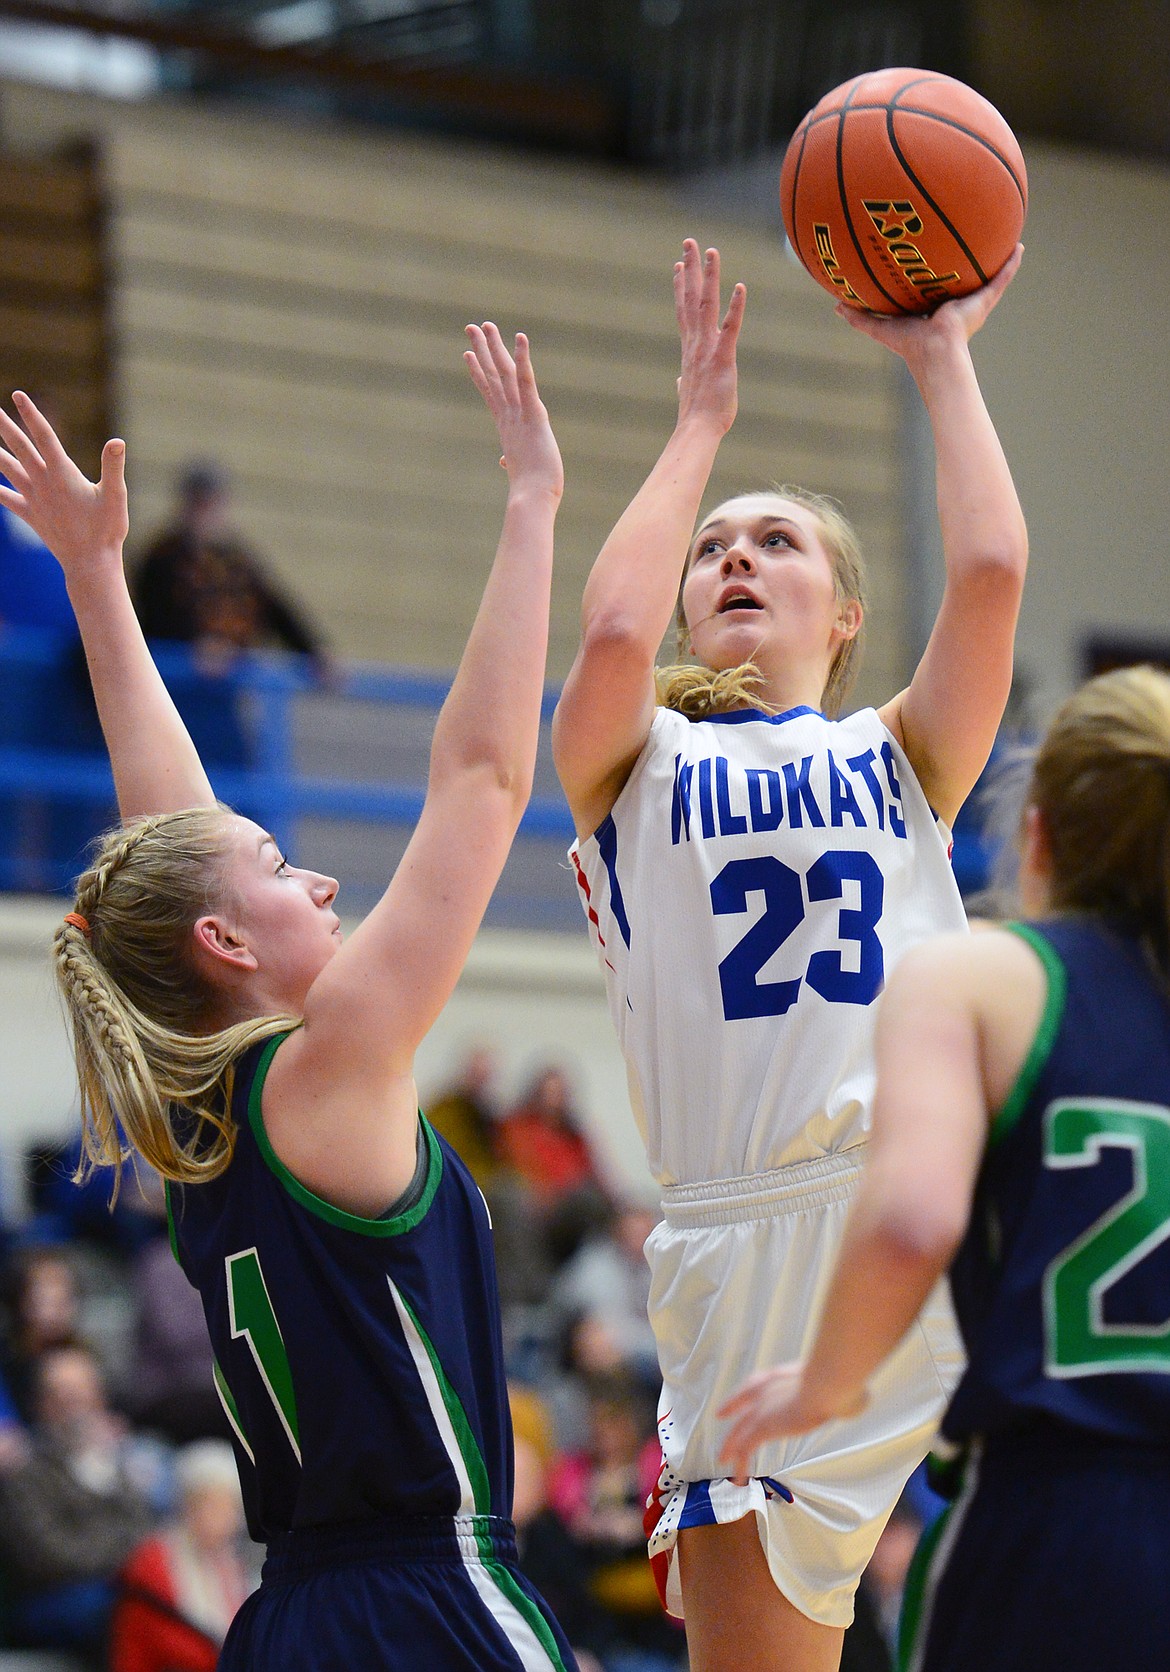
x=708 y=381
x=508 y=386
x=80 y=521
x=773 y=1403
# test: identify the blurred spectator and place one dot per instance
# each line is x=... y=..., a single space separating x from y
x=89 y=1213
x=75 y=1499
x=587 y=1348
x=600 y=1495
x=608 y=1279
x=544 y=1195
x=43 y=1312
x=541 y=1140
x=170 y=1387
x=198 y=582
x=9 y=1415
x=465 y=1114
x=179 y=1590
x=548 y=1555
x=884 y=1579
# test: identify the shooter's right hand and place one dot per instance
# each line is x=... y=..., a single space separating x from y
x=707 y=387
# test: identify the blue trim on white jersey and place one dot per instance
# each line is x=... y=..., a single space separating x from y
x=740 y=716
x=698 y=1510
x=606 y=838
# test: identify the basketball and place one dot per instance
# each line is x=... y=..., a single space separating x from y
x=902 y=189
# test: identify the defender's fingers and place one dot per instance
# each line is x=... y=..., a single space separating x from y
x=113 y=471
x=13 y=469
x=526 y=376
x=741 y=1442
x=692 y=277
x=481 y=348
x=18 y=442
x=38 y=427
x=745 y=1393
x=502 y=361
x=471 y=361
x=488 y=363
x=10 y=498
x=709 y=292
x=678 y=285
x=733 y=318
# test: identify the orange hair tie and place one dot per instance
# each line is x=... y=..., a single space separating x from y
x=78 y=922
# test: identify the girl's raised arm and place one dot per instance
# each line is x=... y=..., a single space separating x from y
x=340 y=1102
x=913 y=1203
x=953 y=1029
x=84 y=524
x=607 y=705
x=947 y=717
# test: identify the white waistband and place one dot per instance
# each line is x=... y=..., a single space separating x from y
x=804 y=1184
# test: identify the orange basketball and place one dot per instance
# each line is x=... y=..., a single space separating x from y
x=901 y=189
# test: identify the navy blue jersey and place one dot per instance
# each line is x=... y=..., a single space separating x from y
x=360 y=1360
x=1062 y=1282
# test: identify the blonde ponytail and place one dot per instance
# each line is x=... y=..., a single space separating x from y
x=148 y=1065
x=697 y=691
x=1101 y=782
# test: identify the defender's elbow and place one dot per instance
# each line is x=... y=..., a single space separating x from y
x=924 y=1233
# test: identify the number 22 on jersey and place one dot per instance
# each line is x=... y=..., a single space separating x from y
x=1079 y=1339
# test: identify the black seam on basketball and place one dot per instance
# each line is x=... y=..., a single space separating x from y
x=841 y=114
x=910 y=175
x=971 y=133
x=792 y=207
x=934 y=116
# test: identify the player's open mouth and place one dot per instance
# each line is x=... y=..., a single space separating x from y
x=738 y=601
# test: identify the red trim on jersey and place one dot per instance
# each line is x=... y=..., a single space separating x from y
x=583 y=885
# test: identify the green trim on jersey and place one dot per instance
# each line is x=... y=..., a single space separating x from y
x=914 y=1591
x=469 y=1455
x=172 y=1228
x=930 y=1561
x=230 y=1408
x=393 y=1227
x=529 y=1612
x=462 y=1448
x=1049 y=1025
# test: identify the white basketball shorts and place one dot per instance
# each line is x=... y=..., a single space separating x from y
x=739 y=1270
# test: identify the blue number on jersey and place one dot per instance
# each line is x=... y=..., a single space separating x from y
x=744 y=994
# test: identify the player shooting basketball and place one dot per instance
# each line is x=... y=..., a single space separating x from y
x=753 y=868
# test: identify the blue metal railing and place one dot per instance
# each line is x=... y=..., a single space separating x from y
x=56 y=789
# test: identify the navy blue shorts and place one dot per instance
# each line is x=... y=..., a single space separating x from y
x=415 y=1595
x=1055 y=1554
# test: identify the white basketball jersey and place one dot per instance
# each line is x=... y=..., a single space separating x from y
x=756 y=881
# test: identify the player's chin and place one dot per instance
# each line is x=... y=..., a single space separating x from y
x=737 y=640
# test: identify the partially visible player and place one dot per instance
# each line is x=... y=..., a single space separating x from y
x=1021 y=1136
x=342 y=1251
x=752 y=867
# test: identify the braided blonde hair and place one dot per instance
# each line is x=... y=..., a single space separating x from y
x=138 y=1009
x=697 y=691
x=1101 y=781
